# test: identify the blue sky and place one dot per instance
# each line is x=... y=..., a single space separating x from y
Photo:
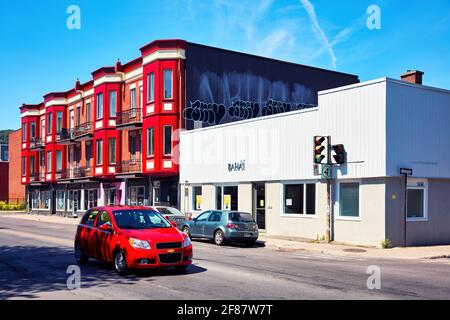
x=40 y=54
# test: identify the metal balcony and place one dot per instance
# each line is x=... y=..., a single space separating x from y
x=132 y=166
x=37 y=143
x=129 y=119
x=65 y=137
x=84 y=132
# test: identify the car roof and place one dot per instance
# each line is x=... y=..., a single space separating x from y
x=120 y=207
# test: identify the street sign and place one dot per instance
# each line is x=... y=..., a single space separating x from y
x=406 y=172
x=326 y=171
x=316 y=171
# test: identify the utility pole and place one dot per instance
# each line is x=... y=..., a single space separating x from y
x=328 y=230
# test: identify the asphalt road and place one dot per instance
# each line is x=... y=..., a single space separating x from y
x=34 y=257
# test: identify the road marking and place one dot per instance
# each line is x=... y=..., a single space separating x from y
x=63 y=242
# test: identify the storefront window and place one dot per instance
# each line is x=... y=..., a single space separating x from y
x=300 y=199
x=44 y=201
x=416 y=208
x=349 y=199
x=90 y=198
x=60 y=195
x=219 y=198
x=230 y=198
x=197 y=198
x=112 y=196
x=136 y=196
x=74 y=200
x=35 y=200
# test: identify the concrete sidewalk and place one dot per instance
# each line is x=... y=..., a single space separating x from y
x=299 y=244
x=293 y=244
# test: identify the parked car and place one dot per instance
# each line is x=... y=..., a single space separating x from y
x=131 y=238
x=173 y=215
x=222 y=226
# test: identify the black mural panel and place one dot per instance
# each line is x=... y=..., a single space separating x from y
x=224 y=86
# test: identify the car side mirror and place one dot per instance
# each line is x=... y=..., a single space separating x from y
x=105 y=227
x=194 y=219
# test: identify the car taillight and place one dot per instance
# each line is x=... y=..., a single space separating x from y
x=232 y=226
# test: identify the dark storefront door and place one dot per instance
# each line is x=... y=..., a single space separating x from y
x=259 y=205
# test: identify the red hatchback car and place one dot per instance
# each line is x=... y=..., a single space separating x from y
x=131 y=238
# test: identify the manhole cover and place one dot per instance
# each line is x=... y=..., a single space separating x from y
x=355 y=250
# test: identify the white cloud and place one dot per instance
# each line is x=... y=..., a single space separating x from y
x=318 y=31
x=274 y=41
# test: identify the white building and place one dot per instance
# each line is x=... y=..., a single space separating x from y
x=264 y=166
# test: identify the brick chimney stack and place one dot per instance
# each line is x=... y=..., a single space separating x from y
x=412 y=76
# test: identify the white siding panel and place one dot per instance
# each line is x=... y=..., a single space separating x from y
x=280 y=147
x=418 y=130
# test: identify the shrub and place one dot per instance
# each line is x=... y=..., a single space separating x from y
x=386 y=244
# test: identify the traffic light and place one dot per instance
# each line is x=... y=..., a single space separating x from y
x=339 y=153
x=320 y=149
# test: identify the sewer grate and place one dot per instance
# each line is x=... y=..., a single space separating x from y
x=355 y=250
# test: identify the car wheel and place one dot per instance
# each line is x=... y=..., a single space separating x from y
x=219 y=238
x=186 y=231
x=120 y=263
x=80 y=257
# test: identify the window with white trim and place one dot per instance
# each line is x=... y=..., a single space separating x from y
x=167 y=84
x=416 y=208
x=150 y=142
x=349 y=199
x=300 y=199
x=99 y=106
x=24 y=132
x=167 y=140
x=112 y=103
x=151 y=87
x=99 y=152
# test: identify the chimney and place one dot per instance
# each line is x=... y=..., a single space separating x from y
x=77 y=84
x=118 y=66
x=412 y=76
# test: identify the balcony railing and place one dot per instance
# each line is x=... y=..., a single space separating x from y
x=65 y=136
x=129 y=166
x=37 y=177
x=36 y=143
x=129 y=118
x=76 y=173
x=85 y=130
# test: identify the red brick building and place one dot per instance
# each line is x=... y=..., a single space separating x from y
x=16 y=190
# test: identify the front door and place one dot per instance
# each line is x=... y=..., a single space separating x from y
x=259 y=205
x=198 y=227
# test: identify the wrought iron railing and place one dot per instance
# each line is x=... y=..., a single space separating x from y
x=129 y=166
x=83 y=129
x=36 y=142
x=65 y=134
x=76 y=173
x=130 y=116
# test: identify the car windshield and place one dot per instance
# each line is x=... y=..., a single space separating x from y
x=241 y=217
x=140 y=219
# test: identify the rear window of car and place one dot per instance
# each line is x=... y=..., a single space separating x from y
x=240 y=217
x=89 y=217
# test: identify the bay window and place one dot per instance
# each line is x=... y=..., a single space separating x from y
x=58 y=160
x=49 y=161
x=49 y=123
x=99 y=106
x=112 y=150
x=167 y=84
x=151 y=87
x=24 y=132
x=112 y=103
x=150 y=142
x=167 y=140
x=99 y=152
x=59 y=119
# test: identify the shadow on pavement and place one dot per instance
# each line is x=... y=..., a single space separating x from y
x=230 y=244
x=26 y=272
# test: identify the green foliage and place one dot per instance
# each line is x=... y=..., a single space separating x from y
x=4 y=206
x=386 y=244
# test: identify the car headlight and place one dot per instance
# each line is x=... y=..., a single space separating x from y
x=187 y=242
x=139 y=244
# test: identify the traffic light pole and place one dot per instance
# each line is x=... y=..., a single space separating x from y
x=328 y=224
